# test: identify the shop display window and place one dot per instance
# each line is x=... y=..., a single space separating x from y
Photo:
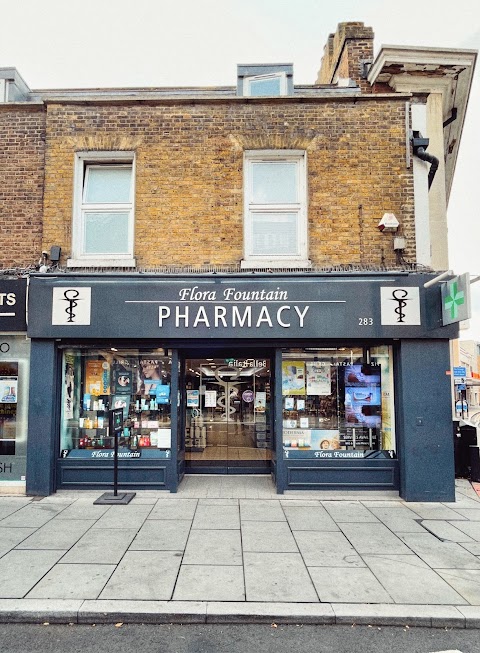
x=96 y=381
x=338 y=403
x=8 y=406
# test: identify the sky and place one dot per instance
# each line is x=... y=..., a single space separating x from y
x=125 y=43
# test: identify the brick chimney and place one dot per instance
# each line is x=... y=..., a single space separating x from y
x=346 y=53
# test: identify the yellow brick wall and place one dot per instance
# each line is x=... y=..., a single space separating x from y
x=189 y=180
x=22 y=138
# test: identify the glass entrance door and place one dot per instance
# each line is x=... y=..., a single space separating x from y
x=227 y=415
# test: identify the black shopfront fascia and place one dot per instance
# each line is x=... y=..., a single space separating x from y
x=248 y=313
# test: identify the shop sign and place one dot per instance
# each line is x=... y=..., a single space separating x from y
x=229 y=307
x=13 y=308
x=456 y=300
x=108 y=454
x=99 y=454
x=333 y=455
x=245 y=363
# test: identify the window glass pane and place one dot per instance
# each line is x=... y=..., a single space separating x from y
x=263 y=87
x=274 y=183
x=97 y=381
x=106 y=233
x=107 y=184
x=335 y=401
x=274 y=233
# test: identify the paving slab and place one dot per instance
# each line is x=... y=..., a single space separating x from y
x=210 y=583
x=130 y=516
x=277 y=577
x=57 y=535
x=258 y=510
x=440 y=555
x=33 y=515
x=471 y=614
x=408 y=579
x=73 y=582
x=8 y=508
x=327 y=550
x=445 y=530
x=463 y=501
x=438 y=616
x=39 y=611
x=216 y=547
x=433 y=510
x=174 y=509
x=465 y=582
x=218 y=502
x=217 y=517
x=468 y=513
x=162 y=535
x=346 y=511
x=148 y=577
x=470 y=528
x=373 y=538
x=399 y=519
x=10 y=537
x=268 y=537
x=82 y=509
x=473 y=547
x=347 y=585
x=148 y=612
x=268 y=613
x=309 y=518
x=100 y=546
x=21 y=570
x=302 y=503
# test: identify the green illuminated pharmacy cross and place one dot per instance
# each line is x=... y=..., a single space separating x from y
x=455 y=299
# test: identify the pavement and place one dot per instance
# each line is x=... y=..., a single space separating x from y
x=228 y=549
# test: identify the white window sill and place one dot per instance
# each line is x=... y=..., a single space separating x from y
x=101 y=263
x=286 y=263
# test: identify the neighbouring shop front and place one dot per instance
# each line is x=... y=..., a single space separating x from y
x=14 y=382
x=324 y=381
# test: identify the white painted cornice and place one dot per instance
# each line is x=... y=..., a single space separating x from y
x=423 y=70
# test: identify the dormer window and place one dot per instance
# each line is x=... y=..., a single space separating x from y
x=265 y=85
x=265 y=80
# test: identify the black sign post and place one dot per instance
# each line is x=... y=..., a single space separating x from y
x=116 y=428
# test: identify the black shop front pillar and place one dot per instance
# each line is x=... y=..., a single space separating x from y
x=424 y=421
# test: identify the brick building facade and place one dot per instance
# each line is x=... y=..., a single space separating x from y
x=226 y=246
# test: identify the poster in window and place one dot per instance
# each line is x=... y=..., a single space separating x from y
x=363 y=401
x=319 y=379
x=8 y=389
x=293 y=378
x=122 y=401
x=122 y=379
x=322 y=439
x=193 y=398
x=210 y=398
x=260 y=402
x=97 y=377
x=69 y=381
x=150 y=376
x=162 y=393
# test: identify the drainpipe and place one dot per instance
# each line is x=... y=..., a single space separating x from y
x=420 y=145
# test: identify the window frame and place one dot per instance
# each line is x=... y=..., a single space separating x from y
x=83 y=161
x=300 y=259
x=247 y=80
